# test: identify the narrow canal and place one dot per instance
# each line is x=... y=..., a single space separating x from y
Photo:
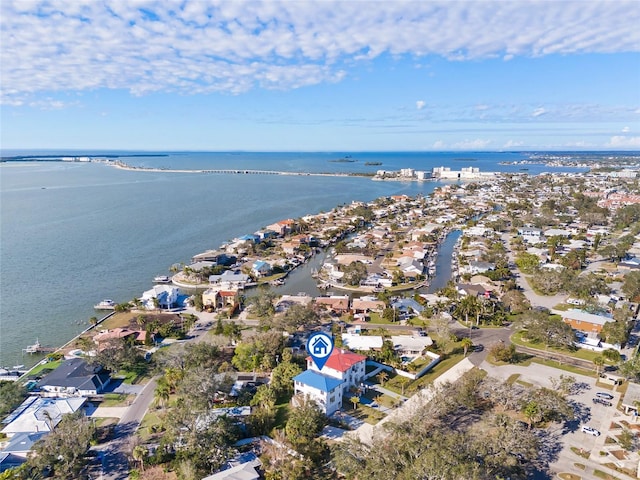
x=443 y=262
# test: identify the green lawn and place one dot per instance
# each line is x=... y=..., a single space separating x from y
x=150 y=421
x=282 y=413
x=395 y=384
x=364 y=413
x=581 y=353
x=115 y=400
x=46 y=366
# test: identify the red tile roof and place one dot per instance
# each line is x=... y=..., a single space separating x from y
x=342 y=360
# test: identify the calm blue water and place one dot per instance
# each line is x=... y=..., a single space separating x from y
x=72 y=234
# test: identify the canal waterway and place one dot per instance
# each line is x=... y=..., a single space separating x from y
x=443 y=262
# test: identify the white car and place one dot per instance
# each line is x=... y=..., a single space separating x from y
x=590 y=431
x=604 y=395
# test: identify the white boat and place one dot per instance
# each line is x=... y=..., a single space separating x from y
x=35 y=348
x=161 y=279
x=105 y=304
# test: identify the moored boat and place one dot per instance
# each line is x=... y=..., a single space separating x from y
x=105 y=304
x=161 y=279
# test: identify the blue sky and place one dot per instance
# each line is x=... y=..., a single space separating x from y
x=357 y=75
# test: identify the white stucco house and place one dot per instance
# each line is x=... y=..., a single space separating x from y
x=167 y=296
x=328 y=386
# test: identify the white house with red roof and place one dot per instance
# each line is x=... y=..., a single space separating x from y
x=328 y=386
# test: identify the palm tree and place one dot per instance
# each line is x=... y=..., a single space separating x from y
x=598 y=361
x=383 y=377
x=403 y=383
x=139 y=454
x=355 y=400
x=93 y=321
x=466 y=344
x=162 y=392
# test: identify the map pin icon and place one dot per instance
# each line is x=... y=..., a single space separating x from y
x=320 y=346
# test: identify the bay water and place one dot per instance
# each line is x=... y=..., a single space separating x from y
x=72 y=234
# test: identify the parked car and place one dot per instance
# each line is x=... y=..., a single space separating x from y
x=601 y=401
x=590 y=431
x=604 y=395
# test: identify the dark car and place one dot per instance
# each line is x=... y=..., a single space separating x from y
x=604 y=395
x=601 y=401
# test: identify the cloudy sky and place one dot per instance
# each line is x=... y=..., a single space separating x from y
x=303 y=75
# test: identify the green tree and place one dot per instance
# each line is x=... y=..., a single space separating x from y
x=354 y=273
x=305 y=423
x=12 y=394
x=140 y=454
x=383 y=376
x=515 y=301
x=466 y=343
x=355 y=400
x=63 y=450
x=531 y=411
x=598 y=361
x=528 y=263
x=262 y=304
x=282 y=377
x=503 y=353
x=162 y=392
x=616 y=332
x=631 y=286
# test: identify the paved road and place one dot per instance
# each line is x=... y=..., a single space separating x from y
x=115 y=463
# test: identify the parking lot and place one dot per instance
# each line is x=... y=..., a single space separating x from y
x=599 y=416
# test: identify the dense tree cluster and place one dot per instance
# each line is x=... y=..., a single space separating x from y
x=469 y=430
x=11 y=395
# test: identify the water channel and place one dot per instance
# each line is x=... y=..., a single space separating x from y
x=301 y=280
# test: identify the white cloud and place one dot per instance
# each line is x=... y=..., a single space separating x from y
x=197 y=47
x=439 y=145
x=477 y=144
x=513 y=144
x=420 y=104
x=621 y=141
x=538 y=112
x=625 y=130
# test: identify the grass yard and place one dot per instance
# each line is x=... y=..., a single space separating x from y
x=581 y=353
x=364 y=413
x=115 y=400
x=150 y=425
x=395 y=383
x=38 y=369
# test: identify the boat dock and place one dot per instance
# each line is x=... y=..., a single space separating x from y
x=38 y=348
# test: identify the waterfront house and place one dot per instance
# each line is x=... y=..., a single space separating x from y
x=283 y=227
x=105 y=336
x=40 y=414
x=230 y=280
x=260 y=268
x=250 y=237
x=160 y=296
x=75 y=377
x=475 y=267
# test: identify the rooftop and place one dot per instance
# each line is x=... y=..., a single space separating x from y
x=318 y=381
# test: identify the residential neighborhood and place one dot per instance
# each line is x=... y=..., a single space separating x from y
x=511 y=300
